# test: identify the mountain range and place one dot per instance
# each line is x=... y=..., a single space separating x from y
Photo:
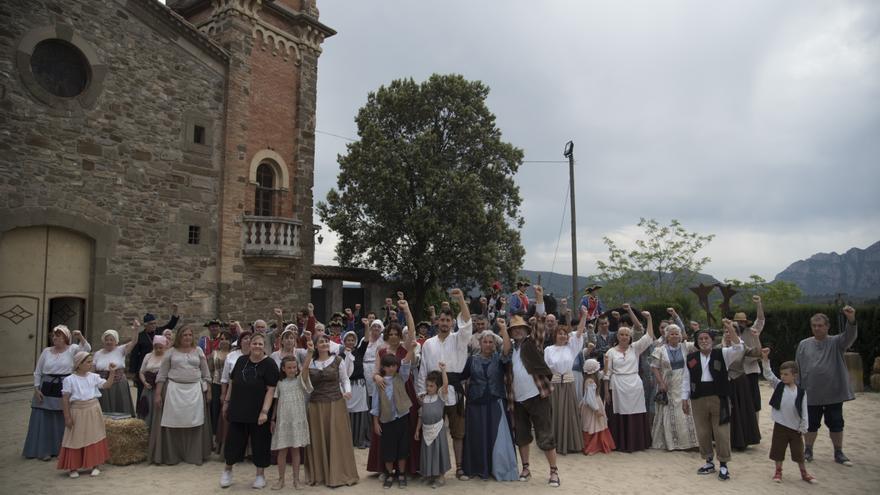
x=855 y=273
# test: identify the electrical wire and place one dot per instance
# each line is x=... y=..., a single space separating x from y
x=559 y=236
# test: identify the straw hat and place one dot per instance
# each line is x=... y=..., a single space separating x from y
x=741 y=318
x=517 y=321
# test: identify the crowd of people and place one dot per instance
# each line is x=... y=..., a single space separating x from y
x=493 y=376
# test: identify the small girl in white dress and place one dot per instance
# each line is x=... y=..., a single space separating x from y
x=290 y=426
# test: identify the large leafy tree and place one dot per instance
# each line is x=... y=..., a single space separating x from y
x=665 y=260
x=426 y=194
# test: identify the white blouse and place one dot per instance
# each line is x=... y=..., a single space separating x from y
x=344 y=383
x=82 y=388
x=102 y=358
x=560 y=358
x=51 y=363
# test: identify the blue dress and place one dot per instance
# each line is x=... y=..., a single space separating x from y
x=488 y=441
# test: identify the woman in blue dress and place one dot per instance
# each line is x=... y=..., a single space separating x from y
x=488 y=442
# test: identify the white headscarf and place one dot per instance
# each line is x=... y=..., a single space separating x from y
x=112 y=333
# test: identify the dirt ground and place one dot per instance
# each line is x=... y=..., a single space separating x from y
x=642 y=472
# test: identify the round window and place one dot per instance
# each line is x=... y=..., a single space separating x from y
x=60 y=68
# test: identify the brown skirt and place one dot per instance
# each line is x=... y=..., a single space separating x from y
x=175 y=445
x=330 y=455
x=566 y=419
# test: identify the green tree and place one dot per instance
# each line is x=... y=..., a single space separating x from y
x=773 y=294
x=426 y=194
x=664 y=263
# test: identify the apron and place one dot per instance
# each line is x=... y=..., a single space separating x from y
x=184 y=406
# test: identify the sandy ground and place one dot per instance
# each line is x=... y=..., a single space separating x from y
x=643 y=472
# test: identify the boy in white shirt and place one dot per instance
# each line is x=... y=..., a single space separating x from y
x=789 y=413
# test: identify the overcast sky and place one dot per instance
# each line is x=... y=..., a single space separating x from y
x=756 y=121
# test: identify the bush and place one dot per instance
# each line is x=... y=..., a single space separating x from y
x=787 y=326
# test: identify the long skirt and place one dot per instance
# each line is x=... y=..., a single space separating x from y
x=566 y=419
x=672 y=428
x=117 y=399
x=361 y=428
x=488 y=442
x=744 y=429
x=174 y=445
x=45 y=429
x=631 y=432
x=601 y=441
x=85 y=444
x=330 y=456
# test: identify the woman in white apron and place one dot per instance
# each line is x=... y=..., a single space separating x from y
x=181 y=423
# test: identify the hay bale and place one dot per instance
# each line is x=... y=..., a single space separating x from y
x=127 y=439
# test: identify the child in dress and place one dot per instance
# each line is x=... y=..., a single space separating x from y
x=290 y=427
x=434 y=460
x=391 y=413
x=597 y=436
x=85 y=439
x=789 y=413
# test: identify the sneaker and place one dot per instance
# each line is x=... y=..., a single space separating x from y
x=707 y=468
x=438 y=482
x=74 y=474
x=95 y=472
x=401 y=481
x=808 y=454
x=777 y=477
x=842 y=459
x=808 y=478
x=723 y=473
x=259 y=482
x=226 y=479
x=389 y=482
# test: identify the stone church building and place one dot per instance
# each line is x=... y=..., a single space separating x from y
x=153 y=154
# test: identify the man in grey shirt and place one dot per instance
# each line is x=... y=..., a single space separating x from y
x=825 y=378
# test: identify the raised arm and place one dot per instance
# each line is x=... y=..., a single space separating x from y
x=506 y=346
x=135 y=328
x=759 y=317
x=768 y=373
x=632 y=315
x=736 y=348
x=464 y=312
x=109 y=383
x=403 y=305
x=850 y=331
x=444 y=389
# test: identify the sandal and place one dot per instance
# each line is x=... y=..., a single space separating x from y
x=554 y=477
x=525 y=474
x=459 y=474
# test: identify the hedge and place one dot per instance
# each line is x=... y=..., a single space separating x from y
x=787 y=326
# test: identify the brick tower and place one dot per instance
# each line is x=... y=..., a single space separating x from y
x=266 y=230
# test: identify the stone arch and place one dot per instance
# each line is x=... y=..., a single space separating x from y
x=275 y=161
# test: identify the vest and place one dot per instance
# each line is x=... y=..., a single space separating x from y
x=401 y=400
x=720 y=384
x=776 y=398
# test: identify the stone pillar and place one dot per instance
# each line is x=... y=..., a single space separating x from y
x=332 y=298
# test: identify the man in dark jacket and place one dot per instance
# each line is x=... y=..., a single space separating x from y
x=144 y=344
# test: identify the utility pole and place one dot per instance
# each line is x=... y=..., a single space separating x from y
x=569 y=153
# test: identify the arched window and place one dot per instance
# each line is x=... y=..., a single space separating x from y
x=264 y=199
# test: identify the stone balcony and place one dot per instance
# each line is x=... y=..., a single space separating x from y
x=270 y=237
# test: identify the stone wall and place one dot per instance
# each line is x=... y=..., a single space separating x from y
x=120 y=170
